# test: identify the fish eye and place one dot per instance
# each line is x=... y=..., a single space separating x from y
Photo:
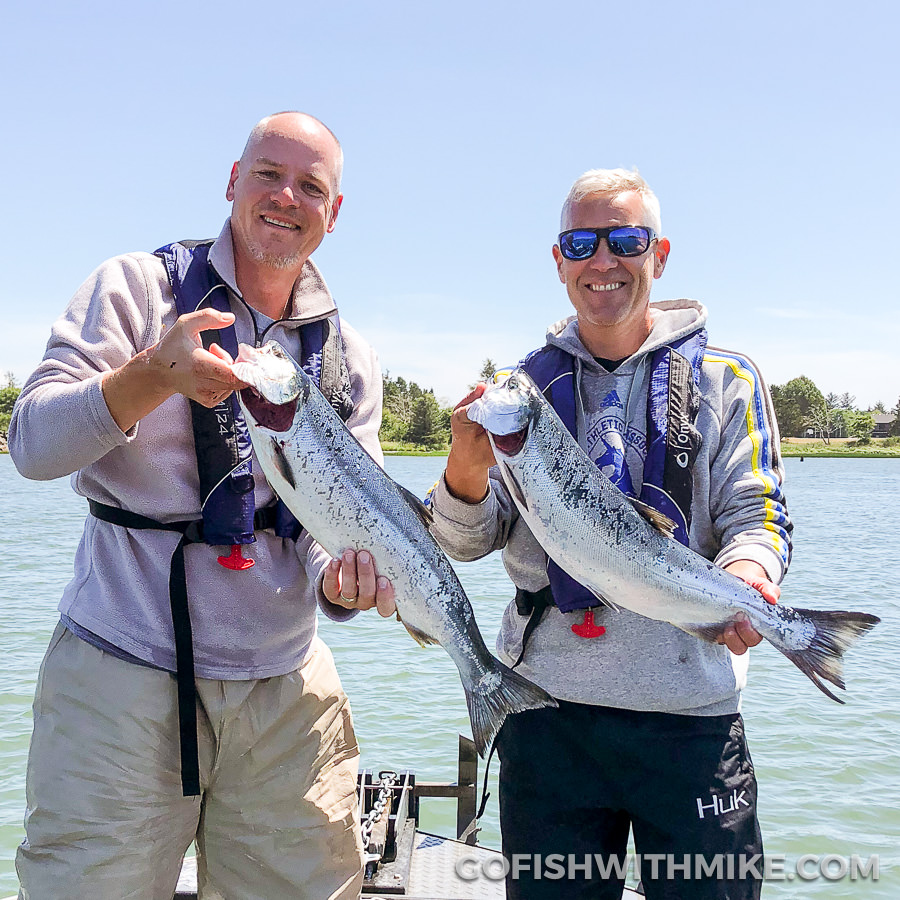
x=512 y=382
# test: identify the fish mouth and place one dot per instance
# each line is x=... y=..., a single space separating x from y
x=510 y=444
x=274 y=416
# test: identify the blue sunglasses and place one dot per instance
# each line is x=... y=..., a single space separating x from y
x=623 y=240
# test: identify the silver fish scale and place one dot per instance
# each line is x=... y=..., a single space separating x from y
x=593 y=531
x=345 y=500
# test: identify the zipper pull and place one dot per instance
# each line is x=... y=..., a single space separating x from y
x=235 y=560
x=587 y=628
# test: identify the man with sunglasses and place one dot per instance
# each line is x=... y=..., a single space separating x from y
x=185 y=695
x=648 y=736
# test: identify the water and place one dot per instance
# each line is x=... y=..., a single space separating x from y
x=829 y=776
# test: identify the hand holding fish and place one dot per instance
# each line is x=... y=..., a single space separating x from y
x=187 y=367
x=353 y=583
x=358 y=514
x=177 y=364
x=625 y=555
x=740 y=636
x=471 y=455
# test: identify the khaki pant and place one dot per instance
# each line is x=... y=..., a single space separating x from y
x=105 y=815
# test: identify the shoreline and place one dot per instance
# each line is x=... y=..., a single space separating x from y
x=790 y=449
x=786 y=453
x=415 y=452
x=840 y=448
x=838 y=454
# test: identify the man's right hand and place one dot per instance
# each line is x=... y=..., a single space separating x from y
x=471 y=455
x=186 y=367
x=177 y=364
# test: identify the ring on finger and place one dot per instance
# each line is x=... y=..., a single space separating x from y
x=349 y=599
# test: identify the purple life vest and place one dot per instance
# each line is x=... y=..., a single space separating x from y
x=672 y=437
x=220 y=434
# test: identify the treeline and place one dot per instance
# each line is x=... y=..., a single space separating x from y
x=8 y=394
x=413 y=416
x=802 y=410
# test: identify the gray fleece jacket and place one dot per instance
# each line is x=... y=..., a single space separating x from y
x=738 y=513
x=251 y=624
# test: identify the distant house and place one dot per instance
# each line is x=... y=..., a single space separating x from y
x=883 y=422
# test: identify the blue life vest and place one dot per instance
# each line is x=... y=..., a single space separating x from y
x=672 y=438
x=220 y=434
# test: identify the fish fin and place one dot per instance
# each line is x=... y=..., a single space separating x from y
x=419 y=508
x=660 y=522
x=836 y=631
x=417 y=635
x=514 y=485
x=499 y=694
x=603 y=601
x=282 y=465
x=707 y=631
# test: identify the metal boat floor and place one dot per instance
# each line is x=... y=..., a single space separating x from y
x=432 y=877
x=433 y=874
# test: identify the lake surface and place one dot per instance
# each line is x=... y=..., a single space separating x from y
x=829 y=775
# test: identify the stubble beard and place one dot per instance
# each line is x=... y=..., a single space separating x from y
x=273 y=260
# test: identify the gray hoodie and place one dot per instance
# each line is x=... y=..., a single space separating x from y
x=738 y=513
x=251 y=624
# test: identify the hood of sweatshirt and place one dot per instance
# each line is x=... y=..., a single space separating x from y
x=670 y=321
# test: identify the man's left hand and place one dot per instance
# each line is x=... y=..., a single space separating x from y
x=740 y=636
x=353 y=583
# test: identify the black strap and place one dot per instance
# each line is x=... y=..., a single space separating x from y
x=485 y=795
x=184 y=673
x=532 y=604
x=682 y=437
x=334 y=377
x=191 y=533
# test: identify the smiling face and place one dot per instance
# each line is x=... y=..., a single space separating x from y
x=611 y=294
x=284 y=192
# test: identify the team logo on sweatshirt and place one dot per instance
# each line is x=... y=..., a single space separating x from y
x=612 y=464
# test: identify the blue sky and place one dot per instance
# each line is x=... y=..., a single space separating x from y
x=768 y=130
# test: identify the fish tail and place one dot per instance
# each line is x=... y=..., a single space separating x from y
x=836 y=630
x=490 y=705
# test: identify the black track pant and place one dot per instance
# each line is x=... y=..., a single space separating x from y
x=574 y=779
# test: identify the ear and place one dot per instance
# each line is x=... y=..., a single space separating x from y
x=335 y=208
x=660 y=255
x=560 y=259
x=229 y=191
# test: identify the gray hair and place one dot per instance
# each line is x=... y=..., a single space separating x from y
x=260 y=127
x=610 y=183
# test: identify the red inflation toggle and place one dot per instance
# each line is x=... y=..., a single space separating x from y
x=235 y=560
x=587 y=629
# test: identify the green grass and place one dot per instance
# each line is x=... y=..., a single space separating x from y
x=396 y=448
x=841 y=448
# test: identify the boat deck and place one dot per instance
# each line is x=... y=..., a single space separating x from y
x=406 y=862
x=433 y=874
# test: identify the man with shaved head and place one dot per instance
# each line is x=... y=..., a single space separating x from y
x=185 y=695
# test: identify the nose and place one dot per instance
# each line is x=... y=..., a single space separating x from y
x=604 y=259
x=284 y=196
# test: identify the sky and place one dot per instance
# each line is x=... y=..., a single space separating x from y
x=769 y=132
